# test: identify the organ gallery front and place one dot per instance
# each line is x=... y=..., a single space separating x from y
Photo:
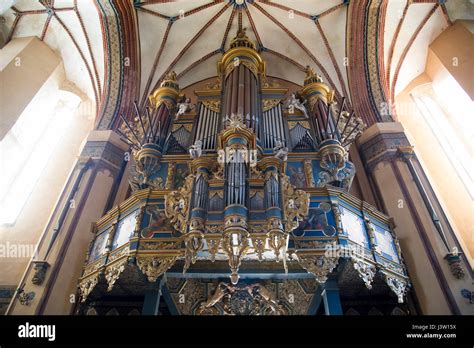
x=239 y=204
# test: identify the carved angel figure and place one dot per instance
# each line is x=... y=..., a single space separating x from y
x=184 y=107
x=294 y=103
x=195 y=150
x=281 y=151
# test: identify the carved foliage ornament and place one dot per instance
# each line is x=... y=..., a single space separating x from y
x=87 y=285
x=154 y=266
x=214 y=105
x=253 y=299
x=268 y=104
x=112 y=273
x=365 y=270
x=398 y=286
x=319 y=265
x=177 y=205
x=295 y=204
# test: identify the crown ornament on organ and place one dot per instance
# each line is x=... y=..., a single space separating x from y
x=311 y=76
x=242 y=40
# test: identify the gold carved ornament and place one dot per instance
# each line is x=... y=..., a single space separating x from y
x=168 y=93
x=268 y=104
x=187 y=126
x=177 y=205
x=318 y=265
x=304 y=124
x=213 y=105
x=213 y=244
x=87 y=285
x=170 y=175
x=112 y=273
x=295 y=204
x=308 y=171
x=216 y=85
x=267 y=84
x=259 y=241
x=155 y=266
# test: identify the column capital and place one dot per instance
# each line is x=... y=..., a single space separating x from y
x=383 y=142
x=104 y=145
x=203 y=162
x=269 y=162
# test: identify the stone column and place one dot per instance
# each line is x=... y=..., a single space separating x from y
x=49 y=284
x=428 y=243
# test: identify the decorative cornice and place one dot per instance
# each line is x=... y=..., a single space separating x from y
x=383 y=147
x=367 y=92
x=120 y=33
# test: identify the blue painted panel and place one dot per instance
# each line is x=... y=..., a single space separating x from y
x=319 y=221
x=215 y=216
x=257 y=216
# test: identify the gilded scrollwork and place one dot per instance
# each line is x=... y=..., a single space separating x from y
x=319 y=265
x=216 y=85
x=312 y=244
x=308 y=171
x=278 y=241
x=365 y=270
x=177 y=205
x=112 y=273
x=267 y=84
x=398 y=286
x=252 y=299
x=213 y=245
x=255 y=173
x=115 y=255
x=87 y=285
x=268 y=104
x=154 y=266
x=212 y=104
x=295 y=204
x=259 y=242
x=138 y=220
x=170 y=176
x=193 y=244
x=159 y=245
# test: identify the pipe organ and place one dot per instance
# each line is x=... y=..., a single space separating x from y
x=273 y=129
x=208 y=122
x=252 y=184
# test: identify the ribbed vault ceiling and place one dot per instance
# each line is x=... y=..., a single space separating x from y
x=188 y=36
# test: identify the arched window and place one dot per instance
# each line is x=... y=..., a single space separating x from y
x=27 y=147
x=449 y=112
